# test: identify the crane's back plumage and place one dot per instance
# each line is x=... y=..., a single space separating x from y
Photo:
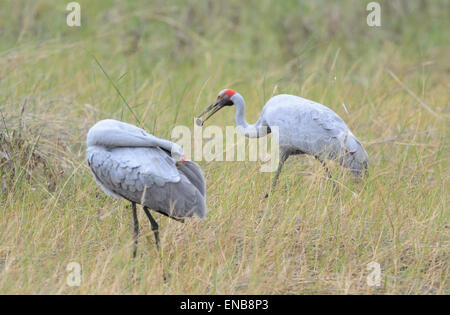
x=145 y=174
x=311 y=128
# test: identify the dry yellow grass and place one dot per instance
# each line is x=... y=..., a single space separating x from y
x=169 y=60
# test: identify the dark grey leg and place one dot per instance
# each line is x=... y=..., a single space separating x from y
x=155 y=227
x=136 y=229
x=326 y=168
x=335 y=188
x=283 y=158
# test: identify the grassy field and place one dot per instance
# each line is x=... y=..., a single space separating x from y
x=169 y=59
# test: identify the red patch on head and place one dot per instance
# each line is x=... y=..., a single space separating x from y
x=230 y=93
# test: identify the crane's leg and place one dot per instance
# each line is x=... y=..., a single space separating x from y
x=335 y=188
x=136 y=229
x=326 y=168
x=155 y=227
x=283 y=158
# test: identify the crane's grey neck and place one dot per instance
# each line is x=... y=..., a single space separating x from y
x=112 y=134
x=248 y=130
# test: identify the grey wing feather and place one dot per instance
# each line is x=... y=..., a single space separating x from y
x=195 y=175
x=348 y=150
x=99 y=163
x=343 y=146
x=149 y=176
x=314 y=129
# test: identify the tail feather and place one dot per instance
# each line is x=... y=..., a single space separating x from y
x=194 y=174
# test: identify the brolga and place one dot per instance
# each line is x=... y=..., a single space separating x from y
x=127 y=162
x=304 y=127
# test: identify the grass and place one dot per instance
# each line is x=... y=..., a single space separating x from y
x=169 y=59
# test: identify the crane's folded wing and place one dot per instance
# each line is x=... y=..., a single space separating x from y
x=195 y=175
x=149 y=176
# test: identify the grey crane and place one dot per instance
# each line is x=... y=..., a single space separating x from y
x=304 y=126
x=127 y=162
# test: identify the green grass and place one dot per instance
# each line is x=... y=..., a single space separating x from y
x=169 y=59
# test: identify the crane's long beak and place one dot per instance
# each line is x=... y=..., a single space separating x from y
x=214 y=108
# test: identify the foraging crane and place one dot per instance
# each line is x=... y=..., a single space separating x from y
x=304 y=126
x=128 y=162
